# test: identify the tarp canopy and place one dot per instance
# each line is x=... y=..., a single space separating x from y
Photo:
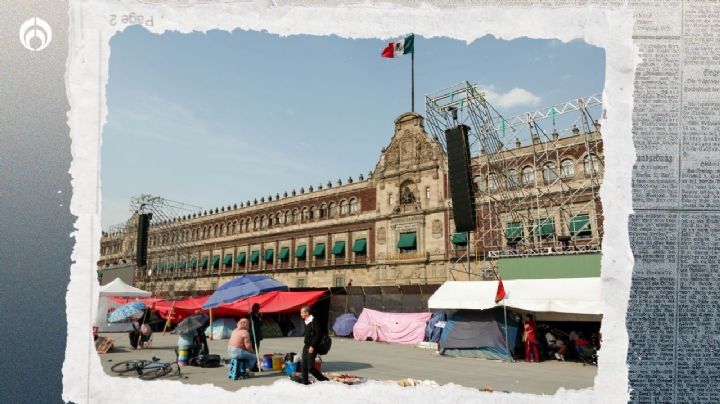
x=572 y=299
x=397 y=328
x=222 y=328
x=271 y=302
x=119 y=288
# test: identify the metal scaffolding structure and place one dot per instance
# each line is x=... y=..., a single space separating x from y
x=529 y=200
x=164 y=226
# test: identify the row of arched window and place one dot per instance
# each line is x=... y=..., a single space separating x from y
x=526 y=176
x=260 y=222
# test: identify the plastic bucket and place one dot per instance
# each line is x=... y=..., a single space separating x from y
x=183 y=356
x=277 y=362
x=267 y=362
x=290 y=368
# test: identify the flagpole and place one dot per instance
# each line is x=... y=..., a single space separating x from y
x=412 y=75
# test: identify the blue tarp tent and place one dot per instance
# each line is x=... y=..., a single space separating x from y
x=479 y=334
x=433 y=333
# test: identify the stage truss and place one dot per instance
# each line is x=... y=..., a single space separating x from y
x=516 y=207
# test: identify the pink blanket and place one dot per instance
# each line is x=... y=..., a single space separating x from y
x=397 y=328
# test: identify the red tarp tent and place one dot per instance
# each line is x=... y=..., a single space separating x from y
x=273 y=302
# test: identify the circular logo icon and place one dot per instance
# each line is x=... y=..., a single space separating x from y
x=35 y=34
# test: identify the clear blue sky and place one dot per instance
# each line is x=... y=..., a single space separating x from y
x=219 y=118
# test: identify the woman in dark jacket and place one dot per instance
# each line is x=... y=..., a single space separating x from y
x=313 y=333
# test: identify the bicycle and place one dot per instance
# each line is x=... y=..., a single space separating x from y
x=147 y=369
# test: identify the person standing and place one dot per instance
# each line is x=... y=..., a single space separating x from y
x=313 y=334
x=530 y=339
x=256 y=330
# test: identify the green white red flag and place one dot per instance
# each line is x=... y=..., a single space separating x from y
x=399 y=48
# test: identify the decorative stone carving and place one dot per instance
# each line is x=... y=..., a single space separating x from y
x=436 y=229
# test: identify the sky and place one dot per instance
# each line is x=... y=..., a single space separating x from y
x=218 y=118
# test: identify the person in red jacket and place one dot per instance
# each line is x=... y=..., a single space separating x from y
x=530 y=339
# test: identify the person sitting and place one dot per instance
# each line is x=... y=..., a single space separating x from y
x=240 y=347
x=556 y=345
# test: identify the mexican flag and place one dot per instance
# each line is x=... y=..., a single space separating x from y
x=397 y=49
x=500 y=294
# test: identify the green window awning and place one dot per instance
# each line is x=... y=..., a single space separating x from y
x=460 y=238
x=171 y=265
x=241 y=258
x=162 y=266
x=155 y=267
x=254 y=257
x=514 y=230
x=319 y=250
x=269 y=255
x=301 y=251
x=181 y=265
x=544 y=227
x=204 y=262
x=360 y=245
x=284 y=253
x=228 y=259
x=339 y=248
x=193 y=263
x=579 y=223
x=407 y=240
x=216 y=261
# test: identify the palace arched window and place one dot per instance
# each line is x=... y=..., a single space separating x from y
x=549 y=172
x=567 y=168
x=354 y=207
x=343 y=207
x=332 y=210
x=592 y=164
x=528 y=175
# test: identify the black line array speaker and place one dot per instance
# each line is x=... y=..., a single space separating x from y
x=142 y=239
x=460 y=176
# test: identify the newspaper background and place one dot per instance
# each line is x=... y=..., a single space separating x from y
x=671 y=321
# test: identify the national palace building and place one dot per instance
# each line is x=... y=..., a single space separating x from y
x=392 y=227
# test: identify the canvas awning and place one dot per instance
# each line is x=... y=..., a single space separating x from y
x=407 y=240
x=360 y=245
x=216 y=261
x=268 y=255
x=460 y=239
x=579 y=223
x=240 y=258
x=319 y=250
x=301 y=251
x=228 y=259
x=339 y=248
x=254 y=256
x=204 y=262
x=284 y=253
x=514 y=230
x=577 y=296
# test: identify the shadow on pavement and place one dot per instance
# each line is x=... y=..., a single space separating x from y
x=338 y=366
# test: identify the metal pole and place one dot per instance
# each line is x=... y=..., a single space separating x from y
x=412 y=78
x=506 y=336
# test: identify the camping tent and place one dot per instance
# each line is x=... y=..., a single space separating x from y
x=478 y=334
x=569 y=299
x=398 y=328
x=114 y=289
x=222 y=328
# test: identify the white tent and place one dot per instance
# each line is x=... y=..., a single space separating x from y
x=116 y=288
x=567 y=299
x=119 y=288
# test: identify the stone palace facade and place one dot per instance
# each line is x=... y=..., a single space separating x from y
x=393 y=227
